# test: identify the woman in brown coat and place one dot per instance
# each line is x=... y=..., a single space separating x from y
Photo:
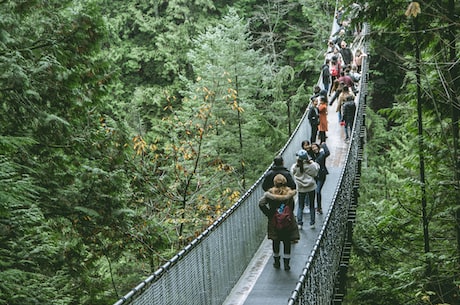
x=322 y=127
x=280 y=196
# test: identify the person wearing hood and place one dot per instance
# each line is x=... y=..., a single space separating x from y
x=280 y=196
x=304 y=172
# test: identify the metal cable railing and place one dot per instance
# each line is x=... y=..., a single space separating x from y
x=207 y=269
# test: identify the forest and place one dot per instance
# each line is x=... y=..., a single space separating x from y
x=128 y=126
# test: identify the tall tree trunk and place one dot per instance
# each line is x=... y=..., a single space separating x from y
x=288 y=104
x=241 y=136
x=421 y=144
x=455 y=106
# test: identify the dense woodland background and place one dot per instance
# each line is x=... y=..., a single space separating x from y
x=128 y=126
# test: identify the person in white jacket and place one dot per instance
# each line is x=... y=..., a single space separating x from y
x=304 y=172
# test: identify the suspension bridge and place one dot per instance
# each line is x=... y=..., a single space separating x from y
x=230 y=263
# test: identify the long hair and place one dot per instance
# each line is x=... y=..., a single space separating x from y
x=300 y=165
x=315 y=154
x=304 y=142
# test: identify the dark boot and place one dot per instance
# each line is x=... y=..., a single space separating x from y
x=276 y=264
x=286 y=264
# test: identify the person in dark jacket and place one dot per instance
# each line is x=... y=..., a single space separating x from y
x=348 y=116
x=326 y=75
x=316 y=92
x=313 y=118
x=280 y=194
x=278 y=168
x=347 y=54
x=320 y=153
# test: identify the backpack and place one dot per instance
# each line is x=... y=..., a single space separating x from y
x=335 y=70
x=283 y=217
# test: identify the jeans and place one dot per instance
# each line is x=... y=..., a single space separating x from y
x=306 y=198
x=348 y=125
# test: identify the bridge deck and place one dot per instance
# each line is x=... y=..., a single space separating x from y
x=263 y=284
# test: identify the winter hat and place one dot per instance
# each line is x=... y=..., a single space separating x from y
x=303 y=155
x=279 y=180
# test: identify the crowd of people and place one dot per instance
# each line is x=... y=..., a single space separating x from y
x=305 y=179
x=340 y=74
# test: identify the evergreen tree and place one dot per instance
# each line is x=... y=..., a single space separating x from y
x=419 y=173
x=51 y=87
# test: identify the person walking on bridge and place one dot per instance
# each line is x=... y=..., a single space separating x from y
x=349 y=110
x=304 y=172
x=345 y=95
x=280 y=196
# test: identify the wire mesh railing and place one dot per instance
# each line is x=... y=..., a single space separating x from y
x=208 y=268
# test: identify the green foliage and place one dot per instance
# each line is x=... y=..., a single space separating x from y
x=128 y=127
x=73 y=164
x=30 y=249
x=289 y=32
x=231 y=72
x=388 y=265
x=391 y=264
x=427 y=268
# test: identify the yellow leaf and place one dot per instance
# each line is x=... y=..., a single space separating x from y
x=413 y=9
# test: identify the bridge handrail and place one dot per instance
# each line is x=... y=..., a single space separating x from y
x=217 y=239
